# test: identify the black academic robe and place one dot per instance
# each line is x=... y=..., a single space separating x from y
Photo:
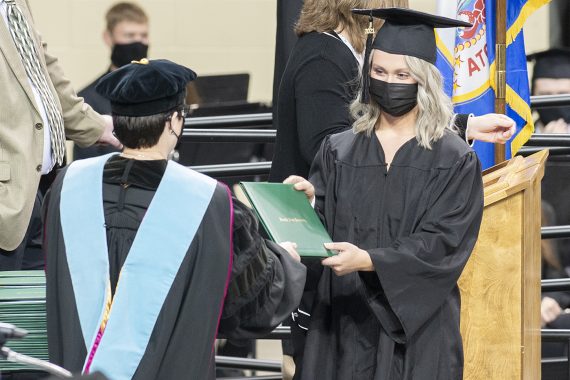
x=265 y=284
x=419 y=222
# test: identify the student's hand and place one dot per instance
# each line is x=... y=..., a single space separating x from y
x=292 y=249
x=108 y=138
x=349 y=259
x=549 y=310
x=301 y=184
x=492 y=127
x=556 y=126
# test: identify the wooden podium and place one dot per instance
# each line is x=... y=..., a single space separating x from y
x=500 y=286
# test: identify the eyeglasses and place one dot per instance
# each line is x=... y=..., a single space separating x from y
x=183 y=112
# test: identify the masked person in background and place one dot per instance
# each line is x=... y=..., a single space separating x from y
x=551 y=76
x=126 y=35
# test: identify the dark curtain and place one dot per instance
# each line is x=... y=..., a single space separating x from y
x=559 y=25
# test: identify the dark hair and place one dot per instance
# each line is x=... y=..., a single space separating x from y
x=136 y=132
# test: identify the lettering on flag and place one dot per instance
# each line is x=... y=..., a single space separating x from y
x=470 y=58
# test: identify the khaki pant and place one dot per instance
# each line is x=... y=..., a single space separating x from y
x=288 y=367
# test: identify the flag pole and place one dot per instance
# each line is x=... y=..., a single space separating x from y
x=501 y=64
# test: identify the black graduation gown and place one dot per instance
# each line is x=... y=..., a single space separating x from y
x=266 y=283
x=419 y=221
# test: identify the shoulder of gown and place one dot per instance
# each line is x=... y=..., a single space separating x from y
x=362 y=149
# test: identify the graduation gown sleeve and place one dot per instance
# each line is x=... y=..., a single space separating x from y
x=266 y=282
x=461 y=124
x=415 y=275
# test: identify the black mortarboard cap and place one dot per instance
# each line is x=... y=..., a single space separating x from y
x=406 y=32
x=145 y=87
x=552 y=63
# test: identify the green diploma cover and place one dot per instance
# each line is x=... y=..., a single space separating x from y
x=287 y=215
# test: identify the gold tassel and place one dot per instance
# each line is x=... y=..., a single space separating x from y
x=365 y=97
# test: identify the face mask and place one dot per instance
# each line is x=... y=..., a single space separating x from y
x=123 y=54
x=395 y=99
x=552 y=114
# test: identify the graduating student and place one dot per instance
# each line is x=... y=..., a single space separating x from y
x=146 y=259
x=401 y=195
x=314 y=97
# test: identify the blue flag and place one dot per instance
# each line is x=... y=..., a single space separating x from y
x=466 y=59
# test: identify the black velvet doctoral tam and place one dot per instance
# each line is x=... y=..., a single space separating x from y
x=146 y=87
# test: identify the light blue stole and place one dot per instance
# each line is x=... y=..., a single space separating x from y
x=160 y=245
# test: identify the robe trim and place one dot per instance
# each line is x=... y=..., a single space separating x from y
x=89 y=272
x=167 y=231
x=231 y=254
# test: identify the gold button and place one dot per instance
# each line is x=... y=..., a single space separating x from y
x=39 y=168
x=39 y=126
x=143 y=61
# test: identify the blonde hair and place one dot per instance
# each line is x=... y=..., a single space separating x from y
x=435 y=110
x=327 y=15
x=125 y=12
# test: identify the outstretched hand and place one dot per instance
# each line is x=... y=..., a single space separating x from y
x=301 y=184
x=349 y=259
x=492 y=127
x=108 y=138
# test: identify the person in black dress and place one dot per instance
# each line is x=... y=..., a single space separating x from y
x=401 y=195
x=147 y=260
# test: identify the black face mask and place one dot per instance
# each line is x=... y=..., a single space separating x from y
x=123 y=54
x=395 y=99
x=552 y=114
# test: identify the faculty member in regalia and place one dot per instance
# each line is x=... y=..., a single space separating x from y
x=401 y=195
x=148 y=260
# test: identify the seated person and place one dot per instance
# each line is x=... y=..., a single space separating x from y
x=554 y=305
x=147 y=260
x=551 y=76
x=126 y=35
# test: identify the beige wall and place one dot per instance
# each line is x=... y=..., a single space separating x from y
x=211 y=37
